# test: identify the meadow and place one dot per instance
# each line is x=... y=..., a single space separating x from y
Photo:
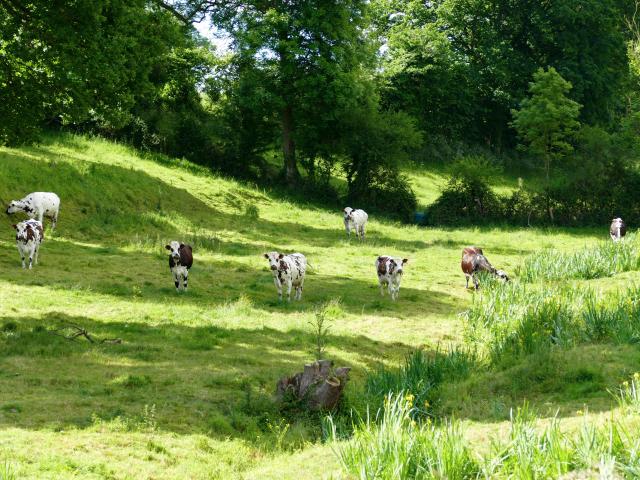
x=188 y=393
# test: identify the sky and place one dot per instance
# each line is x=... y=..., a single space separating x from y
x=215 y=36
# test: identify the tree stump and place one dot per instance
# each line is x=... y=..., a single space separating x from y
x=318 y=385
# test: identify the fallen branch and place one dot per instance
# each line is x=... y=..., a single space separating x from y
x=79 y=331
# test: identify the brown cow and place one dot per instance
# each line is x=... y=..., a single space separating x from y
x=474 y=261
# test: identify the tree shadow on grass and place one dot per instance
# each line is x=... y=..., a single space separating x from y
x=100 y=201
x=200 y=379
x=145 y=277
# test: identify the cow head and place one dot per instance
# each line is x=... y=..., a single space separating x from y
x=174 y=250
x=397 y=265
x=274 y=259
x=501 y=274
x=347 y=213
x=16 y=206
x=400 y=264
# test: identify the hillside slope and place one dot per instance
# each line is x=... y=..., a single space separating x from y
x=188 y=393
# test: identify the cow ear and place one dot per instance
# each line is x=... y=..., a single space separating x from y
x=281 y=255
x=266 y=255
x=405 y=260
x=168 y=247
x=181 y=245
x=15 y=226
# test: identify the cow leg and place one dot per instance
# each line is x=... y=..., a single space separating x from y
x=467 y=279
x=278 y=285
x=362 y=233
x=40 y=217
x=35 y=255
x=185 y=281
x=475 y=282
x=289 y=286
x=176 y=281
x=348 y=229
x=299 y=290
x=54 y=221
x=381 y=288
x=31 y=254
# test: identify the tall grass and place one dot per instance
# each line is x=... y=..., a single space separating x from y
x=420 y=376
x=516 y=319
x=603 y=259
x=396 y=447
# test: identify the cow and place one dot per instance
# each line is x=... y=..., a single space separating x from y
x=289 y=271
x=356 y=219
x=38 y=205
x=180 y=261
x=29 y=236
x=618 y=229
x=474 y=261
x=390 y=272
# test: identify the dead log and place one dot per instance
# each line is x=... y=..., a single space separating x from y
x=318 y=385
x=71 y=331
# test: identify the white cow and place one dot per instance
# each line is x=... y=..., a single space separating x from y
x=356 y=219
x=29 y=236
x=390 y=272
x=38 y=205
x=287 y=270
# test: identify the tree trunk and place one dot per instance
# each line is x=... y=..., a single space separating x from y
x=318 y=385
x=288 y=147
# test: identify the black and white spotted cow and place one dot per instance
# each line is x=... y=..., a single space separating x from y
x=289 y=271
x=38 y=205
x=356 y=219
x=29 y=236
x=390 y=272
x=180 y=261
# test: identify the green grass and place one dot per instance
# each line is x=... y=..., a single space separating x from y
x=189 y=391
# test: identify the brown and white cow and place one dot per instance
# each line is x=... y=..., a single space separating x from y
x=618 y=229
x=390 y=272
x=29 y=237
x=288 y=270
x=474 y=261
x=180 y=261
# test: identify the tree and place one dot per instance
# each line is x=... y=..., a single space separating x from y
x=547 y=120
x=69 y=61
x=301 y=58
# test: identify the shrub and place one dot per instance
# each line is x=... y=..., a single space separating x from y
x=467 y=195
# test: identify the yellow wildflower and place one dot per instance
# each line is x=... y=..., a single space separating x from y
x=579 y=412
x=625 y=384
x=636 y=376
x=409 y=398
x=426 y=404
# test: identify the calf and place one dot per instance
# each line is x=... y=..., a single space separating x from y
x=356 y=219
x=474 y=261
x=618 y=229
x=38 y=205
x=390 y=274
x=29 y=236
x=288 y=270
x=180 y=261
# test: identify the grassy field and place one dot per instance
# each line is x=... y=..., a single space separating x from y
x=189 y=391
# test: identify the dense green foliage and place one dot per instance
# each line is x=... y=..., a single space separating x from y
x=307 y=91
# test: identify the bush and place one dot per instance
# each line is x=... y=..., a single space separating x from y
x=467 y=197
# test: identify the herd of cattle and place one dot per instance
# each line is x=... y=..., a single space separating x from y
x=288 y=269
